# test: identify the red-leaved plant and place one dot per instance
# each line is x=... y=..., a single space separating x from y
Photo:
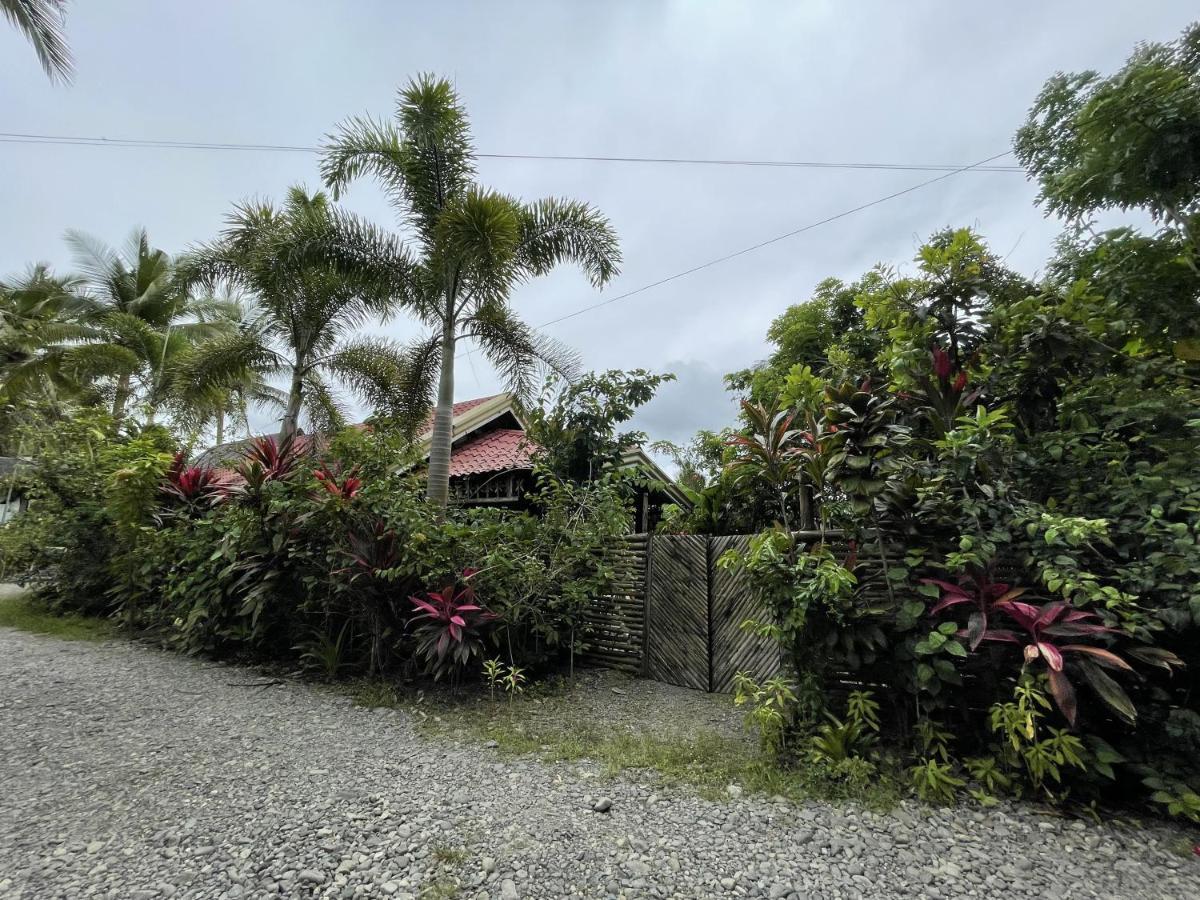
x=449 y=626
x=344 y=487
x=195 y=487
x=1045 y=631
x=978 y=591
x=268 y=459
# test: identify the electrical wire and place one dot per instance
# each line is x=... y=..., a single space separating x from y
x=10 y=137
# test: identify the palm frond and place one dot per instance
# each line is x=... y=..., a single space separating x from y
x=520 y=355
x=374 y=369
x=86 y=362
x=324 y=412
x=43 y=22
x=554 y=231
x=477 y=237
x=422 y=164
x=230 y=361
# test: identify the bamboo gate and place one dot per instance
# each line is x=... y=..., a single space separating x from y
x=673 y=616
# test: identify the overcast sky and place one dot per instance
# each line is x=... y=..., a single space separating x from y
x=913 y=82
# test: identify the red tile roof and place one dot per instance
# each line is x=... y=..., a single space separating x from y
x=495 y=451
x=459 y=409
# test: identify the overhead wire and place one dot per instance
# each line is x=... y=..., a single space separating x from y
x=769 y=241
x=14 y=137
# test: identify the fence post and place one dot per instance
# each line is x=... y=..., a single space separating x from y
x=649 y=574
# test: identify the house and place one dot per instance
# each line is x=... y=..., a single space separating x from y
x=492 y=459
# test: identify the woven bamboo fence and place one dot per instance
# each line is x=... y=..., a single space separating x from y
x=614 y=627
x=673 y=615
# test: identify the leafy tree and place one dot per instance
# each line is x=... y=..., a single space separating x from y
x=576 y=424
x=1131 y=140
x=141 y=317
x=42 y=22
x=475 y=247
x=824 y=333
x=308 y=306
x=114 y=331
x=38 y=310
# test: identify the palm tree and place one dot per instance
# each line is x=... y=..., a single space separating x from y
x=42 y=22
x=142 y=320
x=38 y=310
x=308 y=307
x=475 y=245
x=203 y=398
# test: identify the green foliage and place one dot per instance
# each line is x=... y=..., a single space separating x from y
x=935 y=782
x=771 y=709
x=493 y=673
x=1013 y=465
x=1129 y=140
x=475 y=246
x=575 y=424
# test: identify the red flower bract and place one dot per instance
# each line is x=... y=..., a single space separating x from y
x=941 y=363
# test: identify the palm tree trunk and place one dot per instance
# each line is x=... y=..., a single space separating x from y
x=291 y=415
x=437 y=490
x=220 y=426
x=120 y=398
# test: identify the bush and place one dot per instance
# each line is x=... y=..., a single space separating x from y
x=327 y=562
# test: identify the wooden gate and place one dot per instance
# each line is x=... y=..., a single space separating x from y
x=674 y=616
x=677 y=605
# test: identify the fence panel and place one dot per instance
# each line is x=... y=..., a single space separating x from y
x=677 y=611
x=615 y=624
x=734 y=600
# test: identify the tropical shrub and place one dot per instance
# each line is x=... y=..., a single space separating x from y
x=449 y=627
x=1009 y=469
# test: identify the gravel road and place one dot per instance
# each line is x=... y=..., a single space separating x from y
x=130 y=773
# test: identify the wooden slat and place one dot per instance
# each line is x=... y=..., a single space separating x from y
x=734 y=600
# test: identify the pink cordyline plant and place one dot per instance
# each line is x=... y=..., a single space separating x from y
x=449 y=625
x=1042 y=630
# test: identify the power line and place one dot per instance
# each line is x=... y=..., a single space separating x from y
x=782 y=237
x=775 y=240
x=83 y=141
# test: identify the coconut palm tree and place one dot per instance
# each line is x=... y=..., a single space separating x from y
x=38 y=310
x=42 y=22
x=308 y=308
x=476 y=246
x=141 y=317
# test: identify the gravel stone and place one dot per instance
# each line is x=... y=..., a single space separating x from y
x=131 y=772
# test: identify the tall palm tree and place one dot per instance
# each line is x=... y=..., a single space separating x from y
x=43 y=23
x=475 y=245
x=307 y=307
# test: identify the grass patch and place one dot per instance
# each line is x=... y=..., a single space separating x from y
x=451 y=856
x=441 y=889
x=20 y=611
x=707 y=761
x=371 y=693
